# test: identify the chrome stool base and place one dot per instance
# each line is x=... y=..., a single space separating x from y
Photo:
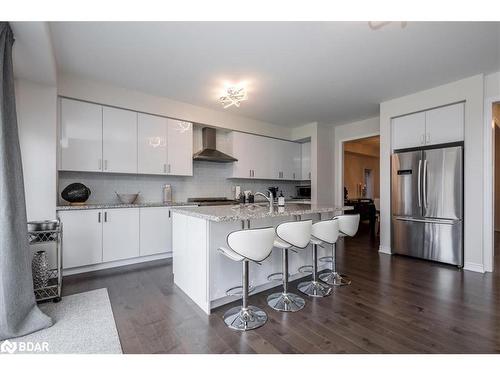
x=244 y=319
x=314 y=288
x=334 y=278
x=286 y=302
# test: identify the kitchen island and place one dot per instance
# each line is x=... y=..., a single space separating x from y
x=205 y=275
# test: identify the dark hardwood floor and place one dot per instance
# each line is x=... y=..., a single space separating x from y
x=394 y=305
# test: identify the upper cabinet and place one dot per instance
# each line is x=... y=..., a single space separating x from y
x=95 y=138
x=80 y=140
x=119 y=140
x=265 y=158
x=445 y=124
x=306 y=160
x=243 y=147
x=432 y=127
x=179 y=148
x=152 y=144
x=408 y=131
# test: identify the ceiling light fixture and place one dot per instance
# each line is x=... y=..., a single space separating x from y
x=378 y=25
x=233 y=96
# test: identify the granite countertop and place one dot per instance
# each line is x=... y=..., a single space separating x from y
x=104 y=206
x=255 y=211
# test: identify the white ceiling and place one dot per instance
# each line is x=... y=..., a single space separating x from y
x=297 y=72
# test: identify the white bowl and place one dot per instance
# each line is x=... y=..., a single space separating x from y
x=127 y=198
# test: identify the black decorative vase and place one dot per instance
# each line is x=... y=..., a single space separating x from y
x=76 y=193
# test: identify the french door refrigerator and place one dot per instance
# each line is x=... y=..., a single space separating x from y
x=427 y=204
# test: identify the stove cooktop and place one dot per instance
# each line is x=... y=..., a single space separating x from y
x=212 y=201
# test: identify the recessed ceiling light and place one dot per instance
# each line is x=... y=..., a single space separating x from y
x=233 y=95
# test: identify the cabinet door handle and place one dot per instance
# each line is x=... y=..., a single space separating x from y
x=169 y=213
x=105 y=164
x=428 y=137
x=164 y=168
x=309 y=175
x=106 y=216
x=249 y=173
x=294 y=176
x=169 y=169
x=100 y=164
x=99 y=217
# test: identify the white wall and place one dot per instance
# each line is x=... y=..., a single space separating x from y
x=470 y=90
x=37 y=121
x=346 y=132
x=491 y=93
x=102 y=93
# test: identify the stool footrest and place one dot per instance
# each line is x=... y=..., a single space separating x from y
x=306 y=269
x=327 y=259
x=238 y=290
x=277 y=276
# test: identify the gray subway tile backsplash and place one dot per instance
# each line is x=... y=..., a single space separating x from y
x=208 y=180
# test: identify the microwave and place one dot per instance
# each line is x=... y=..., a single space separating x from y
x=303 y=191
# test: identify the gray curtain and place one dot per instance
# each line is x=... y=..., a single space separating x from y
x=19 y=314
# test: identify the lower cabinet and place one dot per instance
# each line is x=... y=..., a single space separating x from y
x=120 y=234
x=82 y=237
x=156 y=230
x=95 y=236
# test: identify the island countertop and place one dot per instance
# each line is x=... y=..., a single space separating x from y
x=255 y=211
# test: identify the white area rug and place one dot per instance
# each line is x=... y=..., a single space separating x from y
x=84 y=324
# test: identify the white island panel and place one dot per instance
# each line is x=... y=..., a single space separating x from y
x=190 y=248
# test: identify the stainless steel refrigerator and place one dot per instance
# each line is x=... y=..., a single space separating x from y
x=427 y=204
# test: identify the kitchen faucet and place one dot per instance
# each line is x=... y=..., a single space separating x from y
x=270 y=199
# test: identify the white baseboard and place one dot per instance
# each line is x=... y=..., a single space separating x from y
x=118 y=263
x=385 y=250
x=474 y=267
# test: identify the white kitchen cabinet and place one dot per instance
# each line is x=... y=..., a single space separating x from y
x=120 y=234
x=244 y=150
x=152 y=144
x=292 y=161
x=264 y=158
x=119 y=133
x=97 y=138
x=432 y=127
x=179 y=148
x=306 y=161
x=155 y=230
x=80 y=140
x=444 y=124
x=82 y=237
x=408 y=131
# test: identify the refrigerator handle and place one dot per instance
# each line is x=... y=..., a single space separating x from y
x=418 y=184
x=424 y=183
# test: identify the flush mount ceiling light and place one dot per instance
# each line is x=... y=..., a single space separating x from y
x=378 y=25
x=233 y=95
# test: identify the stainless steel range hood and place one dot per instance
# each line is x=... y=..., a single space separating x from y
x=209 y=152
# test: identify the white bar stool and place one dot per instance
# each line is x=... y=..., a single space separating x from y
x=290 y=234
x=314 y=287
x=347 y=225
x=253 y=245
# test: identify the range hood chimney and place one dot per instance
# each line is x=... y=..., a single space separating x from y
x=209 y=152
